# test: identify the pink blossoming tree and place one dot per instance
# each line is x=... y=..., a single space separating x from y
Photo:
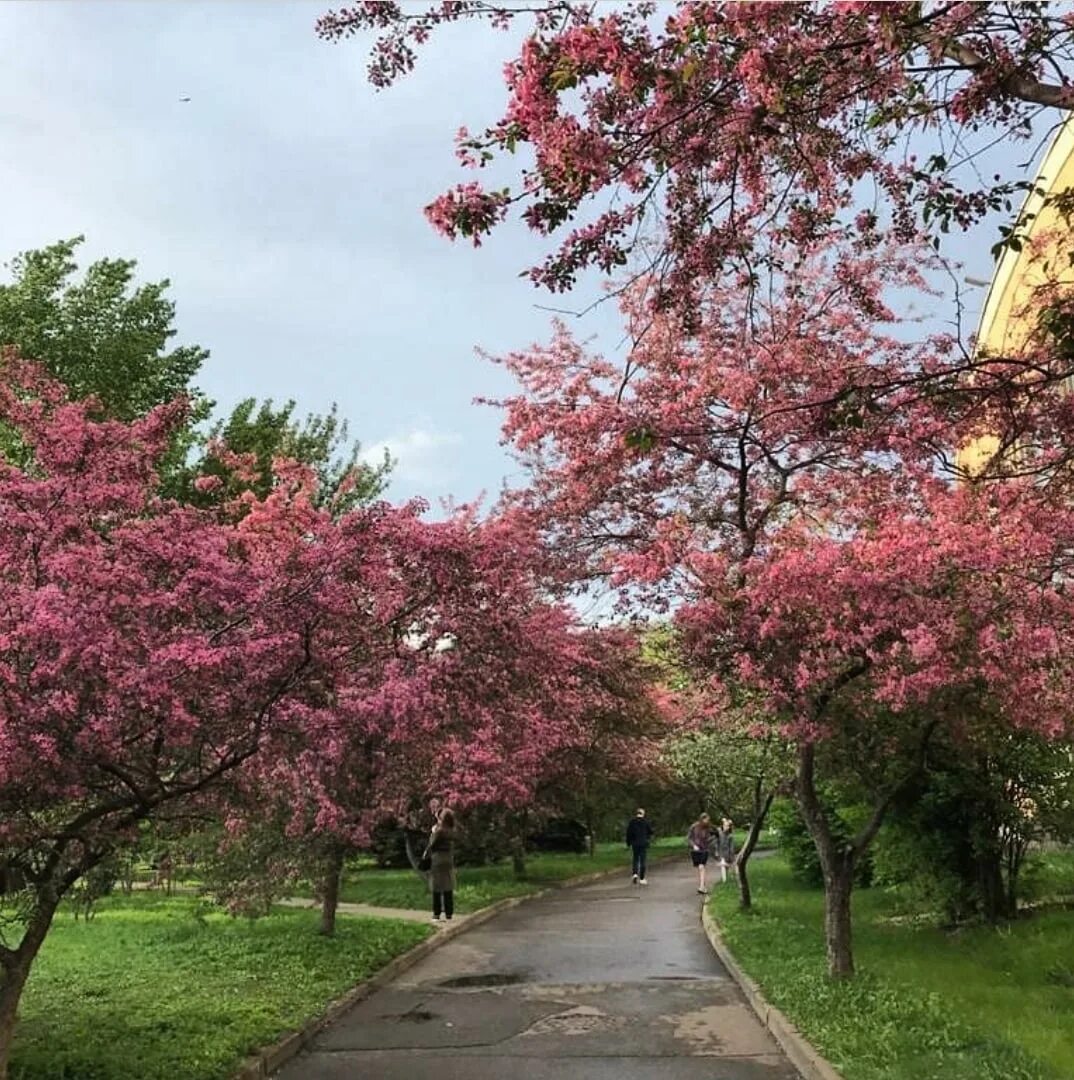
x=776 y=474
x=730 y=121
x=470 y=687
x=148 y=650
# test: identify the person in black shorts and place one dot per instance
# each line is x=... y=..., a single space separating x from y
x=700 y=840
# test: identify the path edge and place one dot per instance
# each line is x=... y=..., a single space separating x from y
x=269 y=1059
x=811 y=1065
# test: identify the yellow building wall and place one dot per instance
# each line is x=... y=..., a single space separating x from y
x=1003 y=330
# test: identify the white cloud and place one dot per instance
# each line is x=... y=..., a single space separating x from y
x=423 y=458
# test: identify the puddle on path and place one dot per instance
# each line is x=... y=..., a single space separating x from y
x=414 y=1016
x=474 y=982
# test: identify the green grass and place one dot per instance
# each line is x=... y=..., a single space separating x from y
x=157 y=988
x=976 y=1004
x=1049 y=875
x=479 y=886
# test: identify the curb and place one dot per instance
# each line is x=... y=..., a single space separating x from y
x=804 y=1057
x=266 y=1061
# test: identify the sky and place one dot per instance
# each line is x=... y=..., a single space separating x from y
x=283 y=201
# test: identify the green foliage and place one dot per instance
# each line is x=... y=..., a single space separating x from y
x=265 y=432
x=957 y=836
x=796 y=845
x=733 y=763
x=101 y=335
x=104 y=335
x=155 y=989
x=1049 y=874
x=660 y=649
x=980 y=1004
x=723 y=768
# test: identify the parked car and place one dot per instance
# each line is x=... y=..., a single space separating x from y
x=560 y=834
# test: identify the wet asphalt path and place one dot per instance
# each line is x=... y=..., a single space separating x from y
x=602 y=981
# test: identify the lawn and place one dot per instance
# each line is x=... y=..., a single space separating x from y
x=155 y=988
x=927 y=1004
x=1050 y=875
x=479 y=886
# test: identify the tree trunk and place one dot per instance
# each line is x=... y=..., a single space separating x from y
x=838 y=884
x=15 y=970
x=12 y=982
x=412 y=852
x=837 y=865
x=518 y=859
x=990 y=889
x=761 y=805
x=745 y=898
x=591 y=841
x=330 y=891
x=1016 y=849
x=518 y=846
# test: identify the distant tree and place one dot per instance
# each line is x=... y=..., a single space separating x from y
x=241 y=449
x=739 y=771
x=101 y=335
x=105 y=336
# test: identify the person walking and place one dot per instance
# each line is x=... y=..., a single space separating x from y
x=700 y=840
x=440 y=852
x=726 y=847
x=639 y=834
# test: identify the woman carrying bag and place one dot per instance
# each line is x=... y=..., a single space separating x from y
x=439 y=860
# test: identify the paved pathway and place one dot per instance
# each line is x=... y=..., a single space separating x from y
x=602 y=982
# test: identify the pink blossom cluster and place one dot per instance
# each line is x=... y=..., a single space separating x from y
x=781 y=476
x=722 y=122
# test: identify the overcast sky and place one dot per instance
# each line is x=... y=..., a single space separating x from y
x=284 y=203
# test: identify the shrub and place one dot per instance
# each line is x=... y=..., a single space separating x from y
x=797 y=845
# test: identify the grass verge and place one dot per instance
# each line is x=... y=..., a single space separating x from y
x=479 y=886
x=976 y=1004
x=158 y=988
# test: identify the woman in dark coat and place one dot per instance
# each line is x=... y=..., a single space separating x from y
x=441 y=852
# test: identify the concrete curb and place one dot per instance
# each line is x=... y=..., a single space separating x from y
x=270 y=1058
x=808 y=1062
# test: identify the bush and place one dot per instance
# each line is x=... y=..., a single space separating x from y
x=388 y=846
x=958 y=836
x=797 y=845
x=926 y=846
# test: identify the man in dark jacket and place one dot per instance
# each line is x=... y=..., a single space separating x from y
x=639 y=833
